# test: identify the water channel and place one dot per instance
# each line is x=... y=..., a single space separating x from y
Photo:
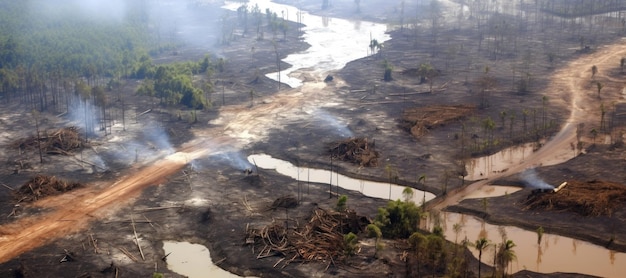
x=554 y=254
x=335 y=42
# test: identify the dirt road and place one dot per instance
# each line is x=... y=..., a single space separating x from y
x=573 y=85
x=74 y=215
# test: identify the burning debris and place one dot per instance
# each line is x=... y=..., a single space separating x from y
x=593 y=198
x=61 y=141
x=320 y=239
x=42 y=186
x=355 y=150
x=418 y=120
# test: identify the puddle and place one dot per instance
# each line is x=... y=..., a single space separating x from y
x=334 y=42
x=192 y=260
x=368 y=188
x=555 y=254
x=500 y=162
x=488 y=191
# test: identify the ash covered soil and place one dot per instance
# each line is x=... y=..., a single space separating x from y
x=212 y=201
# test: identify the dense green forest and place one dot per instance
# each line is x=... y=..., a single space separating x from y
x=52 y=51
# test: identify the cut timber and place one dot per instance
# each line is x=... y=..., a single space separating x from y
x=592 y=198
x=62 y=141
x=42 y=186
x=560 y=187
x=418 y=120
x=356 y=150
x=320 y=239
x=144 y=112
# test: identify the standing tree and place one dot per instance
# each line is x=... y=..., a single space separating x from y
x=622 y=63
x=480 y=245
x=599 y=86
x=36 y=116
x=427 y=72
x=407 y=194
x=594 y=70
x=505 y=255
x=418 y=243
x=374 y=231
x=422 y=179
x=388 y=70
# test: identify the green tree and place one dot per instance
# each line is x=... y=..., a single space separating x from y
x=374 y=231
x=350 y=242
x=341 y=203
x=398 y=219
x=505 y=255
x=407 y=194
x=427 y=72
x=480 y=245
x=388 y=71
x=436 y=252
x=599 y=87
x=418 y=243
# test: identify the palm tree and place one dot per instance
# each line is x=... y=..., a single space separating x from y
x=506 y=255
x=480 y=245
x=407 y=194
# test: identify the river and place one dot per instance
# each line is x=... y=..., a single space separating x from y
x=335 y=42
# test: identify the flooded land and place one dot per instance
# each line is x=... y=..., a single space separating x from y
x=397 y=138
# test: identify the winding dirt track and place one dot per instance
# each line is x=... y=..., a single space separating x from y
x=571 y=84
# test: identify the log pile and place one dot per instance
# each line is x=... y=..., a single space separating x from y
x=593 y=198
x=356 y=150
x=418 y=120
x=42 y=186
x=60 y=141
x=320 y=239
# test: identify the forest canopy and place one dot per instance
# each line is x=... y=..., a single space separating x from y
x=47 y=44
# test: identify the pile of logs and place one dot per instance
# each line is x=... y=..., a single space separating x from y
x=591 y=198
x=356 y=150
x=42 y=186
x=60 y=141
x=418 y=120
x=321 y=239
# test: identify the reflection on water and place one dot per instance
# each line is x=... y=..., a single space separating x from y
x=486 y=166
x=367 y=188
x=554 y=254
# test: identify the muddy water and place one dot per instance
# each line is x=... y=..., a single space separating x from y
x=367 y=188
x=334 y=42
x=192 y=260
x=554 y=254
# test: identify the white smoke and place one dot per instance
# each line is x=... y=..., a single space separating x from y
x=530 y=178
